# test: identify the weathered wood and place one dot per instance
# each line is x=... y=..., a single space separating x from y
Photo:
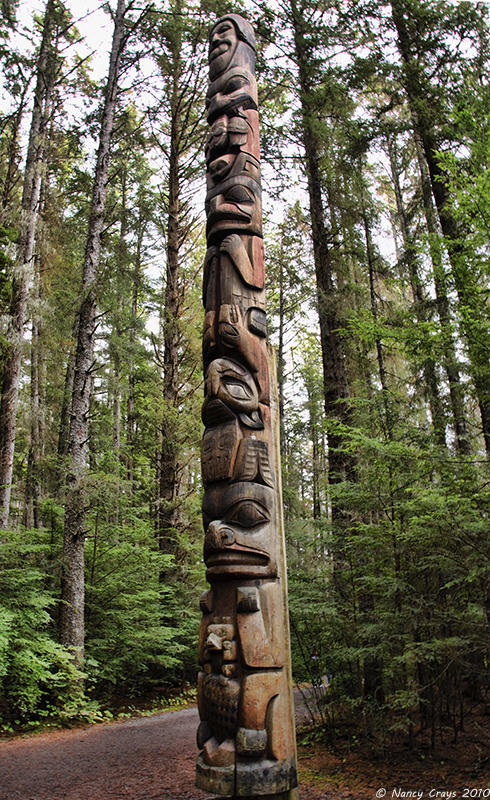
x=293 y=794
x=246 y=735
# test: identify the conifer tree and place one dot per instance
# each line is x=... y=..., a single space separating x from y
x=72 y=632
x=46 y=68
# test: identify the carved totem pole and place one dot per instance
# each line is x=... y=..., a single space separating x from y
x=246 y=734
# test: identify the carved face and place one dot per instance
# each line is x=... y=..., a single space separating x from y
x=222 y=45
x=237 y=88
x=226 y=136
x=232 y=383
x=235 y=204
x=240 y=537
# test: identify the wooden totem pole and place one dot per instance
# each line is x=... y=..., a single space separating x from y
x=246 y=734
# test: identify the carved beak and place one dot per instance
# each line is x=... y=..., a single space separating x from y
x=214 y=642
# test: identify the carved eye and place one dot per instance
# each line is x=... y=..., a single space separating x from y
x=224 y=27
x=217 y=132
x=238 y=194
x=234 y=84
x=247 y=514
x=237 y=390
x=228 y=331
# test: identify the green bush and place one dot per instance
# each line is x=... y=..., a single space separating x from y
x=37 y=674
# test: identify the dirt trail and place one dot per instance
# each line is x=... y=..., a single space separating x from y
x=153 y=758
x=150 y=758
x=141 y=759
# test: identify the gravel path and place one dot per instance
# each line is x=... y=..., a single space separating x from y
x=149 y=758
x=141 y=759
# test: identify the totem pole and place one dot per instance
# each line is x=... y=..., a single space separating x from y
x=246 y=734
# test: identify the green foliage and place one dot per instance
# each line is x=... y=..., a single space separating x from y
x=404 y=587
x=37 y=674
x=467 y=177
x=132 y=641
x=389 y=575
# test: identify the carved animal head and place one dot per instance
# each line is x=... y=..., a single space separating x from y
x=240 y=534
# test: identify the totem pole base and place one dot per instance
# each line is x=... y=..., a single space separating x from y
x=292 y=794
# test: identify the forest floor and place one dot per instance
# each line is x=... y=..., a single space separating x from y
x=354 y=770
x=152 y=758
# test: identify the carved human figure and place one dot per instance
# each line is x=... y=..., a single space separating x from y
x=233 y=200
x=235 y=315
x=243 y=695
x=231 y=41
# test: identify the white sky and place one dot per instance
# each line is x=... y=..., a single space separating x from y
x=95 y=26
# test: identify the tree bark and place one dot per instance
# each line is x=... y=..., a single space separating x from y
x=64 y=425
x=11 y=173
x=73 y=583
x=116 y=340
x=467 y=292
x=420 y=302
x=131 y=411
x=370 y=257
x=168 y=511
x=335 y=383
x=46 y=73
x=456 y=391
x=281 y=366
x=32 y=490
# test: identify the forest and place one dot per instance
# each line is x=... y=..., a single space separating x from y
x=375 y=135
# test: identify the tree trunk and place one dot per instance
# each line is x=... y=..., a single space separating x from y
x=168 y=511
x=46 y=73
x=32 y=490
x=463 y=280
x=420 y=303
x=468 y=293
x=316 y=460
x=11 y=173
x=370 y=257
x=64 y=426
x=372 y=666
x=281 y=366
x=335 y=384
x=73 y=584
x=131 y=418
x=116 y=344
x=456 y=392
